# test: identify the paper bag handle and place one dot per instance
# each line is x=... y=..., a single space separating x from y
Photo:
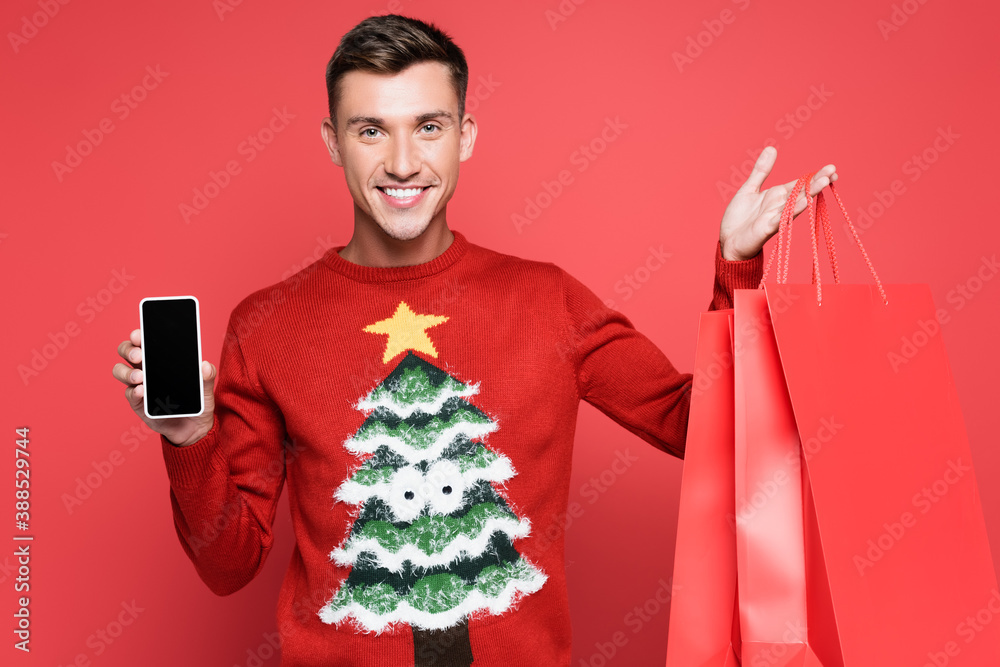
x=817 y=215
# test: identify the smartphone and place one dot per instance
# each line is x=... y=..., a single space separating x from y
x=171 y=356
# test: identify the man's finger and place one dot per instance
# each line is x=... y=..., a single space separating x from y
x=131 y=353
x=801 y=200
x=818 y=184
x=760 y=170
x=822 y=178
x=785 y=191
x=133 y=393
x=124 y=373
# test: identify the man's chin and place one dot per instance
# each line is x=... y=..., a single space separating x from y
x=404 y=232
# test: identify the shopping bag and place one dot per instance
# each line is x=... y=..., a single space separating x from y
x=779 y=611
x=782 y=584
x=895 y=560
x=704 y=629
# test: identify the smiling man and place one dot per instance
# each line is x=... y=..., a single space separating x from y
x=400 y=138
x=419 y=393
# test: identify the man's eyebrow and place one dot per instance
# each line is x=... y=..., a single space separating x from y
x=430 y=115
x=438 y=113
x=355 y=120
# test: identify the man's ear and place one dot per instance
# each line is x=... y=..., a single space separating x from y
x=468 y=137
x=329 y=134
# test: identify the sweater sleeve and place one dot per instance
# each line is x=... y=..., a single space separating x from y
x=732 y=275
x=224 y=489
x=624 y=374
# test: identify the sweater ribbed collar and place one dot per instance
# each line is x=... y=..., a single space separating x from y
x=381 y=274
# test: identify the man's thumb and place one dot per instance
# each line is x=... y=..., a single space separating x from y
x=209 y=372
x=761 y=168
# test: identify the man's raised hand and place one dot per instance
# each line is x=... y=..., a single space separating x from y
x=752 y=216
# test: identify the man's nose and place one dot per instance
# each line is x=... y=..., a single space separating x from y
x=403 y=159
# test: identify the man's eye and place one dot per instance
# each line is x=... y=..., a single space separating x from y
x=369 y=132
x=430 y=125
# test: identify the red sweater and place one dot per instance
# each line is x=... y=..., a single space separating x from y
x=423 y=417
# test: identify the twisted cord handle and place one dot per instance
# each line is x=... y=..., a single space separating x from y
x=818 y=215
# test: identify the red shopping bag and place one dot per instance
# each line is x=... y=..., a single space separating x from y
x=890 y=547
x=784 y=606
x=703 y=631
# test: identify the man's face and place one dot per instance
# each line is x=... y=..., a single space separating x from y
x=400 y=142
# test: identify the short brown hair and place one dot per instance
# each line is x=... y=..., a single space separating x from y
x=388 y=45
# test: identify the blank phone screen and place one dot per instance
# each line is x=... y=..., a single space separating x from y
x=172 y=363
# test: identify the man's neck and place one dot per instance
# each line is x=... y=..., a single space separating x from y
x=370 y=246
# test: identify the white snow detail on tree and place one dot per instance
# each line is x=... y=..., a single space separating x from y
x=434 y=604
x=403 y=395
x=443 y=543
x=412 y=445
x=367 y=483
x=432 y=542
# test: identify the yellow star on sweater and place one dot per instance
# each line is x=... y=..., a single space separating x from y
x=406 y=331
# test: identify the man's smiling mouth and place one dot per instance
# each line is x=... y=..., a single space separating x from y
x=401 y=198
x=403 y=193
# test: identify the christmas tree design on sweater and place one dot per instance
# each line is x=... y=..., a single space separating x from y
x=433 y=541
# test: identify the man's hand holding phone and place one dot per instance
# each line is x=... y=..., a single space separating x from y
x=181 y=431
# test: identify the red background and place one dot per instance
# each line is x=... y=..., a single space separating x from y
x=887 y=95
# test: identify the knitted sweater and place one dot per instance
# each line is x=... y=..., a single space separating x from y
x=423 y=417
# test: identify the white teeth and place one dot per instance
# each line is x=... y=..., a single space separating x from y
x=402 y=194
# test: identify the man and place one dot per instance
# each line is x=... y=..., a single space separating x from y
x=419 y=393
